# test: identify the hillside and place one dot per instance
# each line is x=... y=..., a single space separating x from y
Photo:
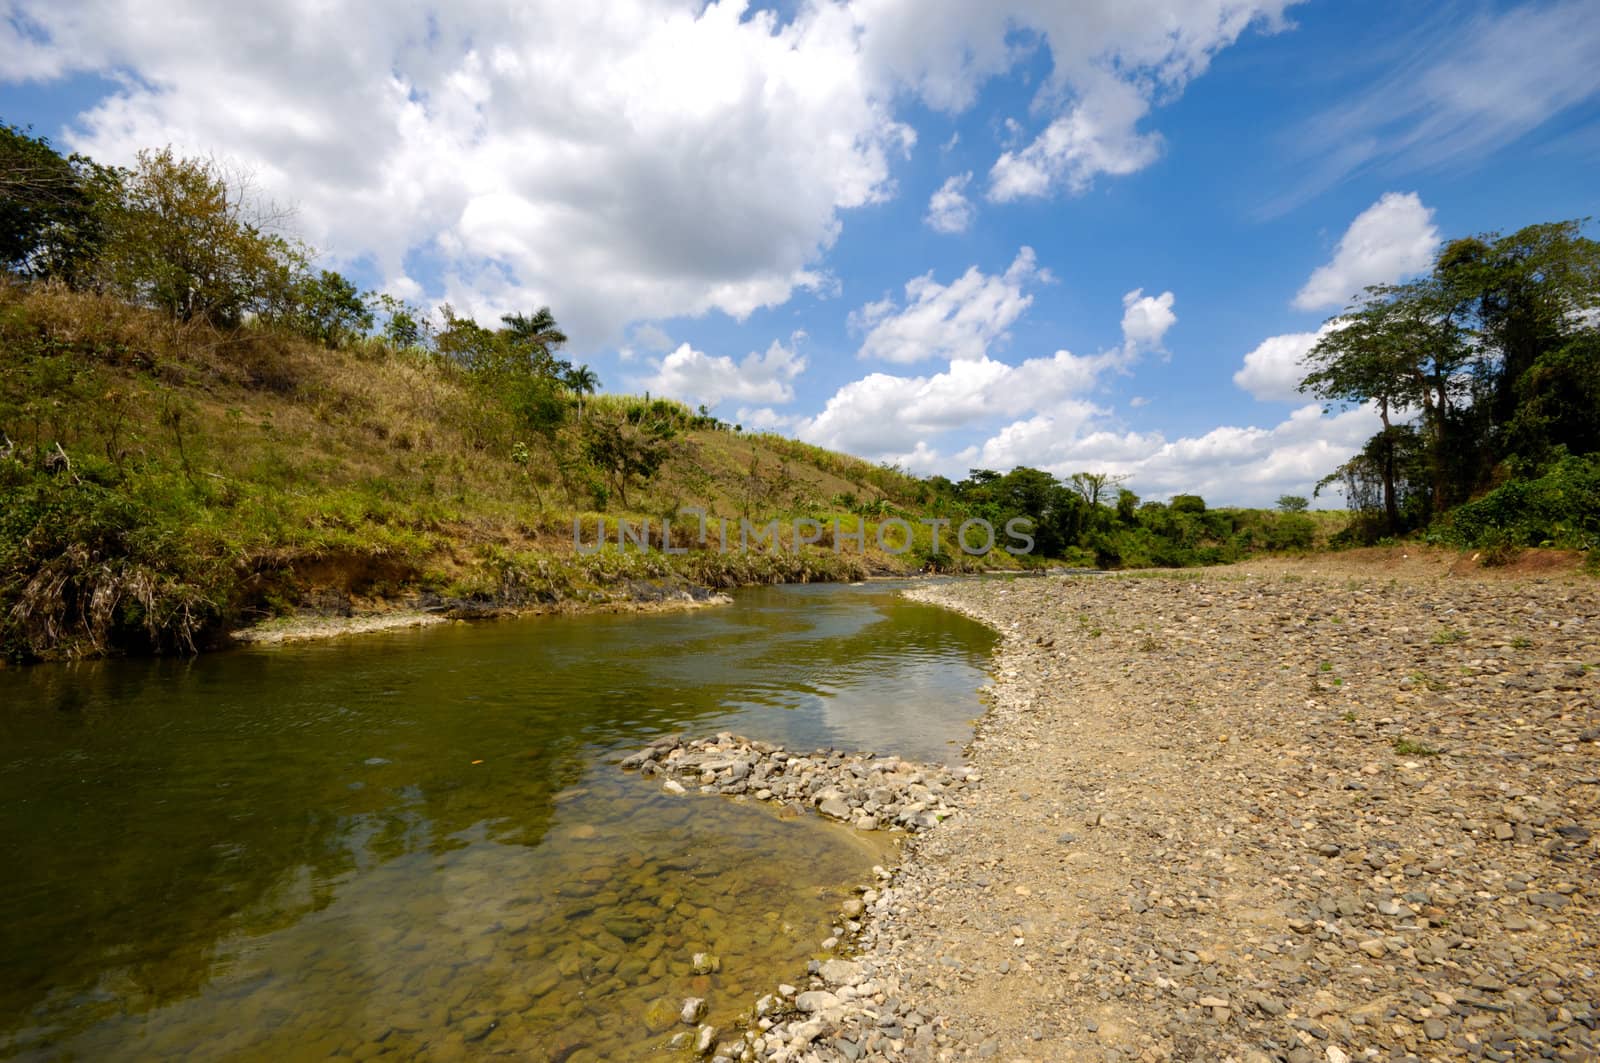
x=166 y=481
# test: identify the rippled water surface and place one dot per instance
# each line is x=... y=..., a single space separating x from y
x=417 y=844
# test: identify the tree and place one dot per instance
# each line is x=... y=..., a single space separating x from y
x=190 y=239
x=1400 y=351
x=585 y=381
x=330 y=309
x=1187 y=504
x=1521 y=296
x=53 y=209
x=531 y=342
x=1293 y=503
x=1558 y=403
x=404 y=325
x=627 y=451
x=1093 y=486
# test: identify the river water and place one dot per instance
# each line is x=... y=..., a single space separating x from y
x=417 y=844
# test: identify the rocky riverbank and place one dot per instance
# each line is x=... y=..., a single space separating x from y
x=1282 y=817
x=863 y=789
x=1251 y=816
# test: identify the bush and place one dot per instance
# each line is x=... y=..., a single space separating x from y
x=1561 y=507
x=85 y=569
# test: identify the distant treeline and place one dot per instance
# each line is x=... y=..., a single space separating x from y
x=1094 y=520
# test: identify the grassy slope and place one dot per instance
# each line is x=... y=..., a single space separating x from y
x=271 y=475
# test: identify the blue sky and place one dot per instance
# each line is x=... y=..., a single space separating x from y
x=1148 y=207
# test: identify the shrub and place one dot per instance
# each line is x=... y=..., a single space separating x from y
x=1561 y=507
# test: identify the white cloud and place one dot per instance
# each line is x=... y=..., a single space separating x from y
x=882 y=415
x=1272 y=371
x=1110 y=61
x=949 y=210
x=697 y=377
x=1390 y=240
x=1138 y=402
x=958 y=321
x=764 y=419
x=623 y=160
x=620 y=161
x=651 y=338
x=1145 y=320
x=1097 y=136
x=1457 y=90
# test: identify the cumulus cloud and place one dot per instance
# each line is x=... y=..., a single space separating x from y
x=1145 y=320
x=1111 y=61
x=949 y=210
x=1097 y=136
x=1272 y=371
x=1392 y=239
x=764 y=419
x=882 y=415
x=697 y=377
x=958 y=321
x=619 y=161
x=1111 y=64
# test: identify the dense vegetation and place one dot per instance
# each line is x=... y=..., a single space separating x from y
x=1486 y=376
x=198 y=429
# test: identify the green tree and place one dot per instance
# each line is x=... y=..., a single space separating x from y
x=53 y=209
x=1293 y=503
x=627 y=451
x=404 y=326
x=1558 y=403
x=1521 y=296
x=1188 y=504
x=585 y=381
x=1401 y=352
x=190 y=239
x=531 y=341
x=1093 y=486
x=330 y=309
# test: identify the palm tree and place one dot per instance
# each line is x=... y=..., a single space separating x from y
x=539 y=336
x=583 y=381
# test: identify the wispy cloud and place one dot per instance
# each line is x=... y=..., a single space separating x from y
x=1459 y=94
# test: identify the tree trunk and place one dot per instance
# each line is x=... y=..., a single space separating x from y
x=1391 y=509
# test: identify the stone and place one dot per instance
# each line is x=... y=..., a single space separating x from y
x=816 y=1000
x=834 y=807
x=842 y=972
x=692 y=1011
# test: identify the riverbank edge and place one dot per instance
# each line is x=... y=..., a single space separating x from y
x=792 y=1020
x=312 y=627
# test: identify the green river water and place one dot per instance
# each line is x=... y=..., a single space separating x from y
x=289 y=853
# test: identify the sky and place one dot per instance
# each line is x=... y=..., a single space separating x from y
x=949 y=234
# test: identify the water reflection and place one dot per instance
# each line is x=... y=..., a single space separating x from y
x=275 y=852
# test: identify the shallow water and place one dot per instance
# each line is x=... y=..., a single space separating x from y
x=416 y=844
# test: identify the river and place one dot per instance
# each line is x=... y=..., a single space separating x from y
x=417 y=844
